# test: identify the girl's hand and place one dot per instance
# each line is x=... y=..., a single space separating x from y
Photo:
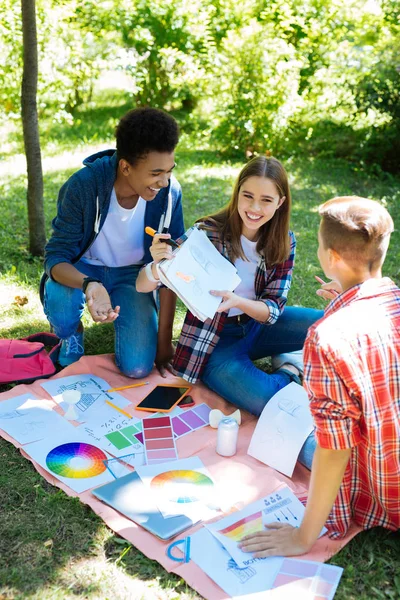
x=277 y=540
x=229 y=299
x=159 y=249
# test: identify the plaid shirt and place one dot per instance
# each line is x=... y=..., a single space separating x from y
x=198 y=339
x=352 y=375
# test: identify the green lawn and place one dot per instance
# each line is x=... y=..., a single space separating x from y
x=52 y=546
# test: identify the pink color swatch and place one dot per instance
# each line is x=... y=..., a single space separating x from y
x=190 y=420
x=318 y=579
x=159 y=443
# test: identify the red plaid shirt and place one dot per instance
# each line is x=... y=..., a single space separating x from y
x=198 y=339
x=352 y=375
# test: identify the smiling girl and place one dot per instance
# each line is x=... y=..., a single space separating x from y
x=252 y=231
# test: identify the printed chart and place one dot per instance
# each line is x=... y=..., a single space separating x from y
x=183 y=486
x=246 y=526
x=76 y=460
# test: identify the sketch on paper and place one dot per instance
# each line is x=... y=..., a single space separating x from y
x=204 y=262
x=284 y=424
x=13 y=414
x=242 y=574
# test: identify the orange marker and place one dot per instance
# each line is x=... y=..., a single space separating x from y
x=152 y=232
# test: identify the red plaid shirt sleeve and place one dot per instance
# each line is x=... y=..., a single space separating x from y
x=335 y=411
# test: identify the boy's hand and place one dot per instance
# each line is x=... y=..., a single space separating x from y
x=99 y=304
x=277 y=540
x=159 y=249
x=329 y=290
x=229 y=299
x=164 y=356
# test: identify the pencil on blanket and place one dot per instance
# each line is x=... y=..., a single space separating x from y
x=126 y=387
x=119 y=409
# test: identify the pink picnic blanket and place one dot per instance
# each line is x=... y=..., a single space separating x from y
x=254 y=478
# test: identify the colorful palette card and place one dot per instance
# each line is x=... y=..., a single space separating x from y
x=28 y=420
x=74 y=460
x=281 y=506
x=190 y=420
x=119 y=434
x=184 y=487
x=285 y=577
x=159 y=443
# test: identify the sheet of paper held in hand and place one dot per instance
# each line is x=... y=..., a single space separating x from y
x=283 y=427
x=196 y=268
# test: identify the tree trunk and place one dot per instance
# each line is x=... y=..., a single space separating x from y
x=37 y=235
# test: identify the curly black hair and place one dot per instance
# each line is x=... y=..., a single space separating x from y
x=144 y=130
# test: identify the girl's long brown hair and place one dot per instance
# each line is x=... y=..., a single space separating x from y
x=273 y=240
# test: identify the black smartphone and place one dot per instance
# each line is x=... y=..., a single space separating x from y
x=186 y=402
x=163 y=398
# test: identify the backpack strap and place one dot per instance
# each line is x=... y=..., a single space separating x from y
x=47 y=339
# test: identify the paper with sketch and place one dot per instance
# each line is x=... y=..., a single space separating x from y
x=272 y=578
x=196 y=268
x=28 y=420
x=118 y=434
x=73 y=459
x=237 y=582
x=282 y=429
x=281 y=506
x=93 y=396
x=181 y=487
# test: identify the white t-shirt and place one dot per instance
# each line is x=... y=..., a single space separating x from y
x=247 y=272
x=121 y=239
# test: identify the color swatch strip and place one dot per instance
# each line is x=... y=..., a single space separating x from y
x=317 y=580
x=127 y=436
x=159 y=442
x=190 y=420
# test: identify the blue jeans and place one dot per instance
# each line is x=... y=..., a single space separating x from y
x=135 y=328
x=230 y=371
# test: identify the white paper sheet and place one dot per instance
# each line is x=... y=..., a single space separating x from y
x=281 y=506
x=215 y=561
x=28 y=419
x=274 y=578
x=98 y=429
x=181 y=487
x=93 y=396
x=282 y=429
x=72 y=459
x=197 y=268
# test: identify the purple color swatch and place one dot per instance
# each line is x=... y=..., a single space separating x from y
x=179 y=427
x=203 y=411
x=192 y=419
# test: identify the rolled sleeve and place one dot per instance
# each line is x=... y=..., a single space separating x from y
x=335 y=412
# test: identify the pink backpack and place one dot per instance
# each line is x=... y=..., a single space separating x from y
x=24 y=360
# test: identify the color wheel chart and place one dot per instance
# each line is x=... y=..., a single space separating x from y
x=76 y=460
x=182 y=486
x=247 y=525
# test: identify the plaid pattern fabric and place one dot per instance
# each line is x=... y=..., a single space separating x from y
x=352 y=375
x=198 y=339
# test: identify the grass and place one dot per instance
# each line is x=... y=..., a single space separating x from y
x=52 y=546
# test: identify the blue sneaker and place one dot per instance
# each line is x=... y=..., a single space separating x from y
x=71 y=349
